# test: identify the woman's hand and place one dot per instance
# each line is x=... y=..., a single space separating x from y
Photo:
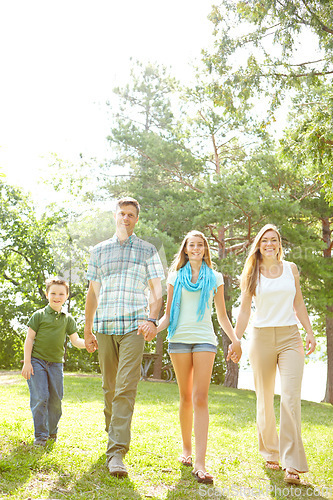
x=234 y=352
x=310 y=343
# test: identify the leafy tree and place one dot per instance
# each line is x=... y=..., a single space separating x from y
x=257 y=56
x=196 y=172
x=25 y=262
x=33 y=248
x=303 y=145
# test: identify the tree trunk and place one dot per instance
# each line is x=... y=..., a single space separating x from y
x=158 y=363
x=157 y=374
x=329 y=336
x=326 y=232
x=231 y=376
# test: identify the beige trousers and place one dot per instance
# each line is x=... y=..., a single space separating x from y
x=120 y=359
x=271 y=347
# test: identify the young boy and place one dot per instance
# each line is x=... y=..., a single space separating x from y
x=43 y=359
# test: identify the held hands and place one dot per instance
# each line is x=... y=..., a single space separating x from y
x=148 y=330
x=310 y=343
x=90 y=341
x=234 y=352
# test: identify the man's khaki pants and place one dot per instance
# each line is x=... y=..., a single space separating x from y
x=271 y=347
x=120 y=359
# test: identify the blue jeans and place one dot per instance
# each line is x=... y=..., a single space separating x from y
x=180 y=347
x=46 y=392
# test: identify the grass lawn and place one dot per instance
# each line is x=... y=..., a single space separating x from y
x=74 y=467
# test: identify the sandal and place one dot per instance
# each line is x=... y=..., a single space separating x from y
x=206 y=479
x=187 y=461
x=291 y=477
x=272 y=465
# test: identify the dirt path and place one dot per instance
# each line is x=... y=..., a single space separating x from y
x=9 y=377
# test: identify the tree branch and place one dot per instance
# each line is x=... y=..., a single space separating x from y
x=8 y=278
x=322 y=25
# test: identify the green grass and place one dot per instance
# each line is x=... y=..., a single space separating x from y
x=74 y=467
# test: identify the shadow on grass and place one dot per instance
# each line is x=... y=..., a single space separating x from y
x=96 y=483
x=16 y=467
x=279 y=489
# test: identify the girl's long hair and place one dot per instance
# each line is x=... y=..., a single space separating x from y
x=250 y=274
x=181 y=258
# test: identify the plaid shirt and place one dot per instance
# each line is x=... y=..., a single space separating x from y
x=123 y=272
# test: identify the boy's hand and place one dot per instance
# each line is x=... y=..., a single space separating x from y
x=27 y=371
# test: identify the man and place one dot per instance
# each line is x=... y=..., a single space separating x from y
x=120 y=270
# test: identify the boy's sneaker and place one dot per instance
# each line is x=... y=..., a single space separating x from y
x=53 y=437
x=39 y=442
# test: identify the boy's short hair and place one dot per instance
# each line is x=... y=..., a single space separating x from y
x=56 y=281
x=127 y=200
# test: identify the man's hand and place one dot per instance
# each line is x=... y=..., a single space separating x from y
x=90 y=341
x=148 y=330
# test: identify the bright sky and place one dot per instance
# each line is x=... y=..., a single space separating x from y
x=60 y=61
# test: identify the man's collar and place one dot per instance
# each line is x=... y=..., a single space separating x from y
x=130 y=239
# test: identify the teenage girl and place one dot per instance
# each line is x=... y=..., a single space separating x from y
x=192 y=287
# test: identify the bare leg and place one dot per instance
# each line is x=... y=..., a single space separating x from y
x=183 y=366
x=202 y=372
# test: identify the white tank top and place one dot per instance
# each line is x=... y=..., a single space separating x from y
x=274 y=300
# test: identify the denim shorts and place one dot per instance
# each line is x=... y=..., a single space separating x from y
x=180 y=347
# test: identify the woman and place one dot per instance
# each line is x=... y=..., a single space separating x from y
x=276 y=341
x=192 y=285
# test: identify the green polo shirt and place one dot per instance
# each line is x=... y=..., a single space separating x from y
x=51 y=328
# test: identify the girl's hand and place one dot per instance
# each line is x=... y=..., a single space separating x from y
x=234 y=352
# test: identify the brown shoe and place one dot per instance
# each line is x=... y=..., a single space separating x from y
x=291 y=477
x=116 y=467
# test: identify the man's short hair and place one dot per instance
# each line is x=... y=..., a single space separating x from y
x=56 y=281
x=127 y=200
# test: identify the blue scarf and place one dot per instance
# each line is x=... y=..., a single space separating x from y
x=206 y=282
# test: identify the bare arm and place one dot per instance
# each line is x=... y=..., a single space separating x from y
x=302 y=313
x=90 y=310
x=244 y=314
x=27 y=369
x=165 y=320
x=225 y=322
x=147 y=328
x=77 y=341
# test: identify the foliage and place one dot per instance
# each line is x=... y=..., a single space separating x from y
x=25 y=262
x=32 y=248
x=195 y=172
x=258 y=55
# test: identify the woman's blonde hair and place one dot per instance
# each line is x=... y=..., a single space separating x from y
x=250 y=274
x=181 y=257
